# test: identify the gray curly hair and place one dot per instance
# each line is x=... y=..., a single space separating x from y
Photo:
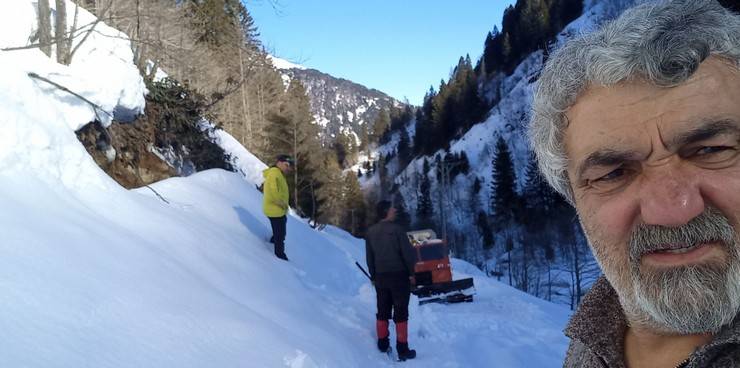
x=662 y=42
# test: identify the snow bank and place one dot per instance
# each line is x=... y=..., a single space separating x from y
x=101 y=69
x=39 y=119
x=243 y=161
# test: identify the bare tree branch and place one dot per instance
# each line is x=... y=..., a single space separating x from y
x=89 y=32
x=95 y=106
x=41 y=44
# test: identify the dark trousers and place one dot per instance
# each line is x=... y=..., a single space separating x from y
x=278 y=225
x=393 y=292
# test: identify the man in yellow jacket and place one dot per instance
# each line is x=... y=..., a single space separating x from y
x=275 y=201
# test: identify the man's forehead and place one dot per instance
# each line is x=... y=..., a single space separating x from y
x=628 y=111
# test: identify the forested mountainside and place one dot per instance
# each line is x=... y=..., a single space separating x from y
x=463 y=166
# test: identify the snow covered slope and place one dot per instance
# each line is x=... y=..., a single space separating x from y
x=110 y=278
x=93 y=275
x=507 y=119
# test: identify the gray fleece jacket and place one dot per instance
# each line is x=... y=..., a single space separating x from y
x=388 y=250
x=597 y=336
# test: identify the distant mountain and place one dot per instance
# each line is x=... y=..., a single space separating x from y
x=337 y=104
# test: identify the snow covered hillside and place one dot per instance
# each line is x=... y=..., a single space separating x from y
x=180 y=274
x=512 y=96
x=110 y=278
x=508 y=118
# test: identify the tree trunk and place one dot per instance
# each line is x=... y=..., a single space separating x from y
x=245 y=103
x=44 y=23
x=313 y=203
x=295 y=162
x=549 y=282
x=60 y=32
x=508 y=256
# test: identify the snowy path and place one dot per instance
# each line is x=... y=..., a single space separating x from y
x=121 y=279
x=503 y=327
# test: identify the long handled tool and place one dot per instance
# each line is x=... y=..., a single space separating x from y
x=363 y=270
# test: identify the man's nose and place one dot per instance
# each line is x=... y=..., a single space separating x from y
x=669 y=197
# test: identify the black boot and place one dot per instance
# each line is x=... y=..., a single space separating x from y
x=384 y=344
x=281 y=256
x=404 y=353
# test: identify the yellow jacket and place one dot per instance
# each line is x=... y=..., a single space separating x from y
x=276 y=193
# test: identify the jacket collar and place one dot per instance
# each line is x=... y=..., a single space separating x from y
x=599 y=323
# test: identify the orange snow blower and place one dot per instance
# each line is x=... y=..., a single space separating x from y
x=433 y=272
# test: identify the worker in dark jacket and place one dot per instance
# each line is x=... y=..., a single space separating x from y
x=390 y=260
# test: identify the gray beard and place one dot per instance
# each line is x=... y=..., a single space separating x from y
x=690 y=299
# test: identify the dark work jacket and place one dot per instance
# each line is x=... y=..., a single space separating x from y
x=388 y=250
x=597 y=336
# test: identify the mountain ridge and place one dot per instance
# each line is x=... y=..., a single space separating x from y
x=339 y=105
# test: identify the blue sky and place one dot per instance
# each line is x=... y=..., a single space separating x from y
x=400 y=47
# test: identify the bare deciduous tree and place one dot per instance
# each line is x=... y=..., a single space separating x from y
x=44 y=26
x=60 y=31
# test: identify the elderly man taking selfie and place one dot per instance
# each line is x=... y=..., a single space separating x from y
x=638 y=125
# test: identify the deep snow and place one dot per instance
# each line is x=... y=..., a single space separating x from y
x=94 y=275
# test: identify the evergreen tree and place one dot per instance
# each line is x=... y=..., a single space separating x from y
x=303 y=138
x=539 y=218
x=380 y=126
x=419 y=133
x=533 y=26
x=484 y=228
x=404 y=150
x=474 y=195
x=423 y=139
x=400 y=117
x=472 y=104
x=213 y=22
x=402 y=215
x=538 y=198
x=504 y=200
x=506 y=50
x=526 y=27
x=354 y=204
x=488 y=59
x=331 y=192
x=344 y=148
x=249 y=28
x=364 y=140
x=424 y=209
x=380 y=167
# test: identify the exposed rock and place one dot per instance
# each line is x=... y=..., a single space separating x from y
x=125 y=152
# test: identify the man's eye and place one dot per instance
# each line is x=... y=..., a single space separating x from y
x=612 y=175
x=711 y=149
x=610 y=181
x=715 y=155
